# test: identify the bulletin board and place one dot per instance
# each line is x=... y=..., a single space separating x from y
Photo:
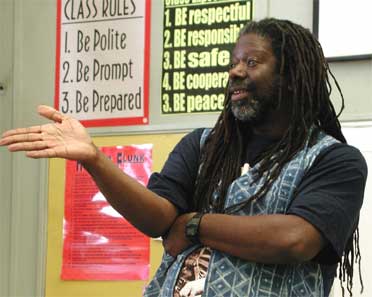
x=162 y=146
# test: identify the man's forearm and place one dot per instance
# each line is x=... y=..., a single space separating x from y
x=271 y=239
x=147 y=211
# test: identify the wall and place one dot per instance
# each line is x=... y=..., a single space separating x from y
x=27 y=34
x=24 y=45
x=355 y=79
x=6 y=81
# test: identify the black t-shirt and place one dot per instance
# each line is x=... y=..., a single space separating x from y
x=329 y=197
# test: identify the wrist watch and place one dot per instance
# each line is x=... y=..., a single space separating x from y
x=192 y=228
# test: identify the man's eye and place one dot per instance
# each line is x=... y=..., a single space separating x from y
x=251 y=62
x=232 y=65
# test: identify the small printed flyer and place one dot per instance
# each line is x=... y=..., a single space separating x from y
x=98 y=243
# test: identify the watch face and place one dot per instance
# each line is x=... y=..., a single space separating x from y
x=192 y=228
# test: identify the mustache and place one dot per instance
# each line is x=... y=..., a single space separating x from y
x=236 y=85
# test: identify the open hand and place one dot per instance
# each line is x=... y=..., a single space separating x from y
x=65 y=138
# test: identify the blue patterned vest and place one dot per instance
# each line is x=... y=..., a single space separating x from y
x=231 y=276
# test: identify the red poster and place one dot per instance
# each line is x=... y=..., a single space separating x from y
x=99 y=244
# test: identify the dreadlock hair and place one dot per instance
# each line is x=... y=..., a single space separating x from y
x=302 y=69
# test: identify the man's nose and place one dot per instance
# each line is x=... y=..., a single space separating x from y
x=238 y=70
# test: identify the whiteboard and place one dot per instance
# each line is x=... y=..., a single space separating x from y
x=344 y=27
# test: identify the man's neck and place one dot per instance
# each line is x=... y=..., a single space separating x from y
x=274 y=126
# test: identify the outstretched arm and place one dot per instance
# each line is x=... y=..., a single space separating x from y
x=67 y=138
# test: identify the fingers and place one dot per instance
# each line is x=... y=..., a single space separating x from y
x=40 y=149
x=21 y=135
x=33 y=129
x=50 y=113
x=48 y=152
x=45 y=111
x=166 y=246
x=28 y=146
x=37 y=154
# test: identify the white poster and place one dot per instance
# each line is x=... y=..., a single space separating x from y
x=102 y=61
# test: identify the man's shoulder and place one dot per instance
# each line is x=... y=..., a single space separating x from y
x=343 y=151
x=195 y=135
x=198 y=131
x=343 y=154
x=190 y=142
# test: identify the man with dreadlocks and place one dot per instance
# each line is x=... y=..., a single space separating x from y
x=264 y=204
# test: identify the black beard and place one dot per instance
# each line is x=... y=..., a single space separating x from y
x=256 y=108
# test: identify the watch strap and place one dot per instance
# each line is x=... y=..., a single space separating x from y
x=192 y=228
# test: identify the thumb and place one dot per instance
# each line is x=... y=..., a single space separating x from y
x=50 y=113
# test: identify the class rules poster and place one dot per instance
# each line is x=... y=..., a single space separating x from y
x=98 y=243
x=102 y=61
